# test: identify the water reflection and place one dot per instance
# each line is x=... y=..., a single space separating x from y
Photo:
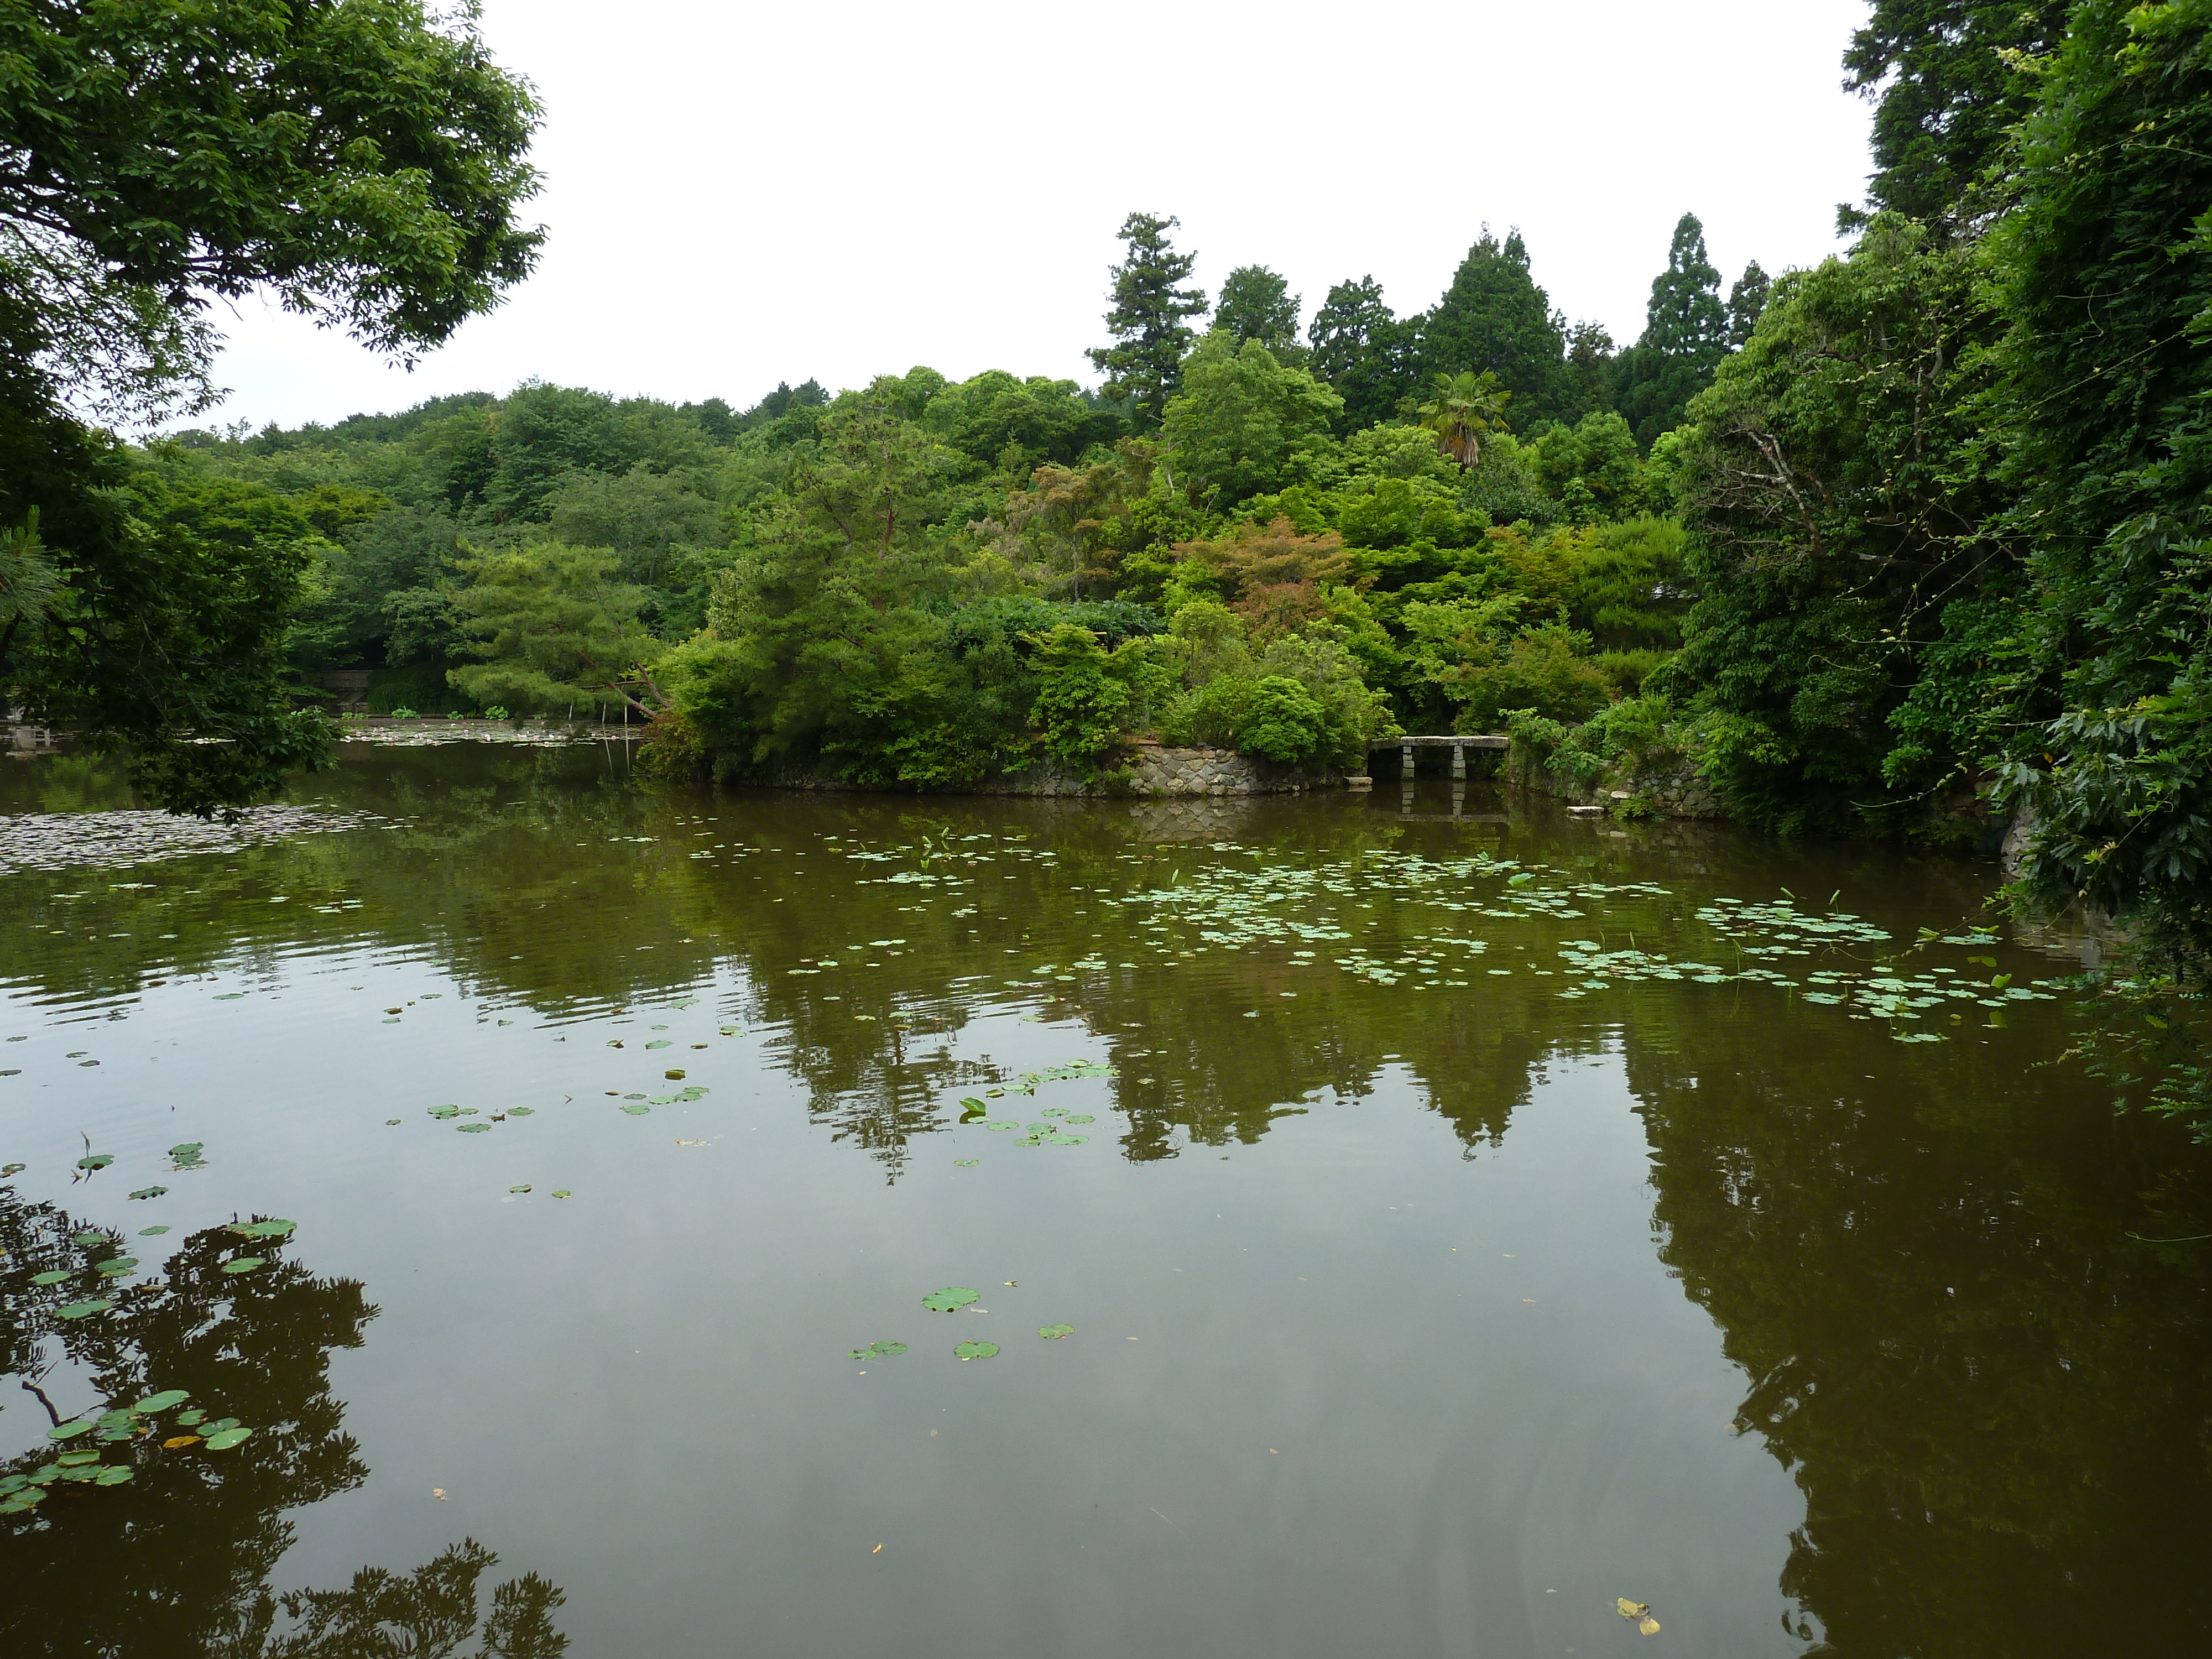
x=175 y=1560
x=1990 y=1395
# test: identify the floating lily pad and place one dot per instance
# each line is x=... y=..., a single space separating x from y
x=71 y=1460
x=1080 y=1117
x=228 y=1438
x=475 y=1128
x=88 y=1235
x=150 y=1192
x=878 y=1351
x=1002 y=1124
x=965 y=1163
x=521 y=1111
x=52 y=1276
x=561 y=1192
x=179 y=1442
x=187 y=1156
x=82 y=1310
x=246 y=1264
x=116 y=1266
x=977 y=1350
x=637 y=1111
x=151 y=1232
x=161 y=1402
x=445 y=1111
x=272 y=1228
x=952 y=1297
x=97 y=1161
x=674 y=1076
x=114 y=1475
x=195 y=1415
x=523 y=1188
x=1055 y=1332
x=392 y=1122
x=1067 y=1140
x=70 y=1430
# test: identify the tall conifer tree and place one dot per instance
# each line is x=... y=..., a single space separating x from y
x=1494 y=317
x=1147 y=321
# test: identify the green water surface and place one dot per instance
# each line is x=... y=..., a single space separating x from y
x=1451 y=1219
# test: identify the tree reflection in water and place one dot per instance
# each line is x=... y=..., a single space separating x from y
x=175 y=1561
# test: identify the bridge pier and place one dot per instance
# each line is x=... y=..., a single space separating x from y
x=1459 y=761
x=1405 y=760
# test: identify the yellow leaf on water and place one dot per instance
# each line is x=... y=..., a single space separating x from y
x=1628 y=1609
x=178 y=1443
x=1647 y=1625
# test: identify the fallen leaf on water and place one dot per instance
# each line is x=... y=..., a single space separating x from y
x=178 y=1443
x=878 y=1549
x=438 y=1492
x=1639 y=1613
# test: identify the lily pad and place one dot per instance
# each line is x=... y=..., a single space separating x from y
x=179 y=1442
x=1055 y=1332
x=637 y=1111
x=82 y=1310
x=150 y=1192
x=187 y=1418
x=153 y=1232
x=475 y=1128
x=660 y=1042
x=228 y=1438
x=965 y=1163
x=51 y=1276
x=952 y=1297
x=675 y=1075
x=70 y=1430
x=88 y=1235
x=521 y=1111
x=113 y=1475
x=187 y=1156
x=561 y=1192
x=1002 y=1124
x=445 y=1111
x=1080 y=1117
x=97 y=1161
x=116 y=1266
x=1067 y=1140
x=71 y=1460
x=977 y=1350
x=246 y=1264
x=272 y=1228
x=161 y=1402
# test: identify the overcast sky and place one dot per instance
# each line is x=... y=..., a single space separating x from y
x=740 y=193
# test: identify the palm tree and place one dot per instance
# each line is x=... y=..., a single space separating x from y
x=1465 y=406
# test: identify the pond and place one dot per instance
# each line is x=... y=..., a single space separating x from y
x=503 y=1201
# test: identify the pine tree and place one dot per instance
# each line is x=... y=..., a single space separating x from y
x=1494 y=317
x=1685 y=337
x=1746 y=300
x=1363 y=351
x=1147 y=322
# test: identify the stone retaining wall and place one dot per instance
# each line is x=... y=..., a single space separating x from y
x=1678 y=792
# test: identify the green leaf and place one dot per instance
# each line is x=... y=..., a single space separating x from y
x=246 y=1264
x=950 y=1297
x=97 y=1161
x=1055 y=1332
x=161 y=1402
x=70 y=1430
x=475 y=1128
x=150 y=1192
x=83 y=1310
x=224 y=1440
x=977 y=1350
x=114 y=1475
x=263 y=1228
x=52 y=1276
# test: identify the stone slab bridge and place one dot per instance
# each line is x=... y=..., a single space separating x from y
x=1458 y=744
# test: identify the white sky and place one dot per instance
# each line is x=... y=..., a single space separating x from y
x=741 y=193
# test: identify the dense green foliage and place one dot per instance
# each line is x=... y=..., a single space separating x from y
x=365 y=161
x=1949 y=505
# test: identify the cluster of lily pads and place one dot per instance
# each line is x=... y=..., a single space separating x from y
x=951 y=1299
x=78 y=1458
x=118 y=840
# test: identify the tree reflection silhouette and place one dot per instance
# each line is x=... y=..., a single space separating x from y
x=174 y=1562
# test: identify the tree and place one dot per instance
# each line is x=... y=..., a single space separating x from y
x=364 y=162
x=1831 y=481
x=1944 y=97
x=1242 y=419
x=553 y=628
x=1746 y=301
x=1461 y=410
x=1363 y=351
x=1147 y=321
x=1685 y=334
x=1494 y=317
x=1256 y=304
x=2106 y=267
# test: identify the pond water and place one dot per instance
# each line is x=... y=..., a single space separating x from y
x=1449 y=1220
